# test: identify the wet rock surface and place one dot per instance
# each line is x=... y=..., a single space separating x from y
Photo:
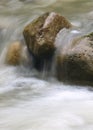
x=17 y=54
x=41 y=33
x=13 y=55
x=75 y=63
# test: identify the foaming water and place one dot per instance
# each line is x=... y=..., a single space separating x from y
x=42 y=105
x=31 y=100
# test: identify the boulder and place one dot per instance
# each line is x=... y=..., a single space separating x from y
x=40 y=34
x=75 y=62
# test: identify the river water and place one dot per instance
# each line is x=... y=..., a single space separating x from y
x=29 y=100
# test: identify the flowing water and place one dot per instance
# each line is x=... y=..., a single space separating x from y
x=28 y=99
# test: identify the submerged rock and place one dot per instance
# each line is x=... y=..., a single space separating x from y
x=13 y=55
x=75 y=63
x=41 y=33
x=17 y=54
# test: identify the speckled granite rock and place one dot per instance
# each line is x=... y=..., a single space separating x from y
x=76 y=62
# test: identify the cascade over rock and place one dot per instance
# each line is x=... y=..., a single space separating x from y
x=75 y=62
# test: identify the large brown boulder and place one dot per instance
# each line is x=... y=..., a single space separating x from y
x=75 y=62
x=40 y=34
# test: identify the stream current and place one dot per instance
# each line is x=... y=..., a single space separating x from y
x=30 y=100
